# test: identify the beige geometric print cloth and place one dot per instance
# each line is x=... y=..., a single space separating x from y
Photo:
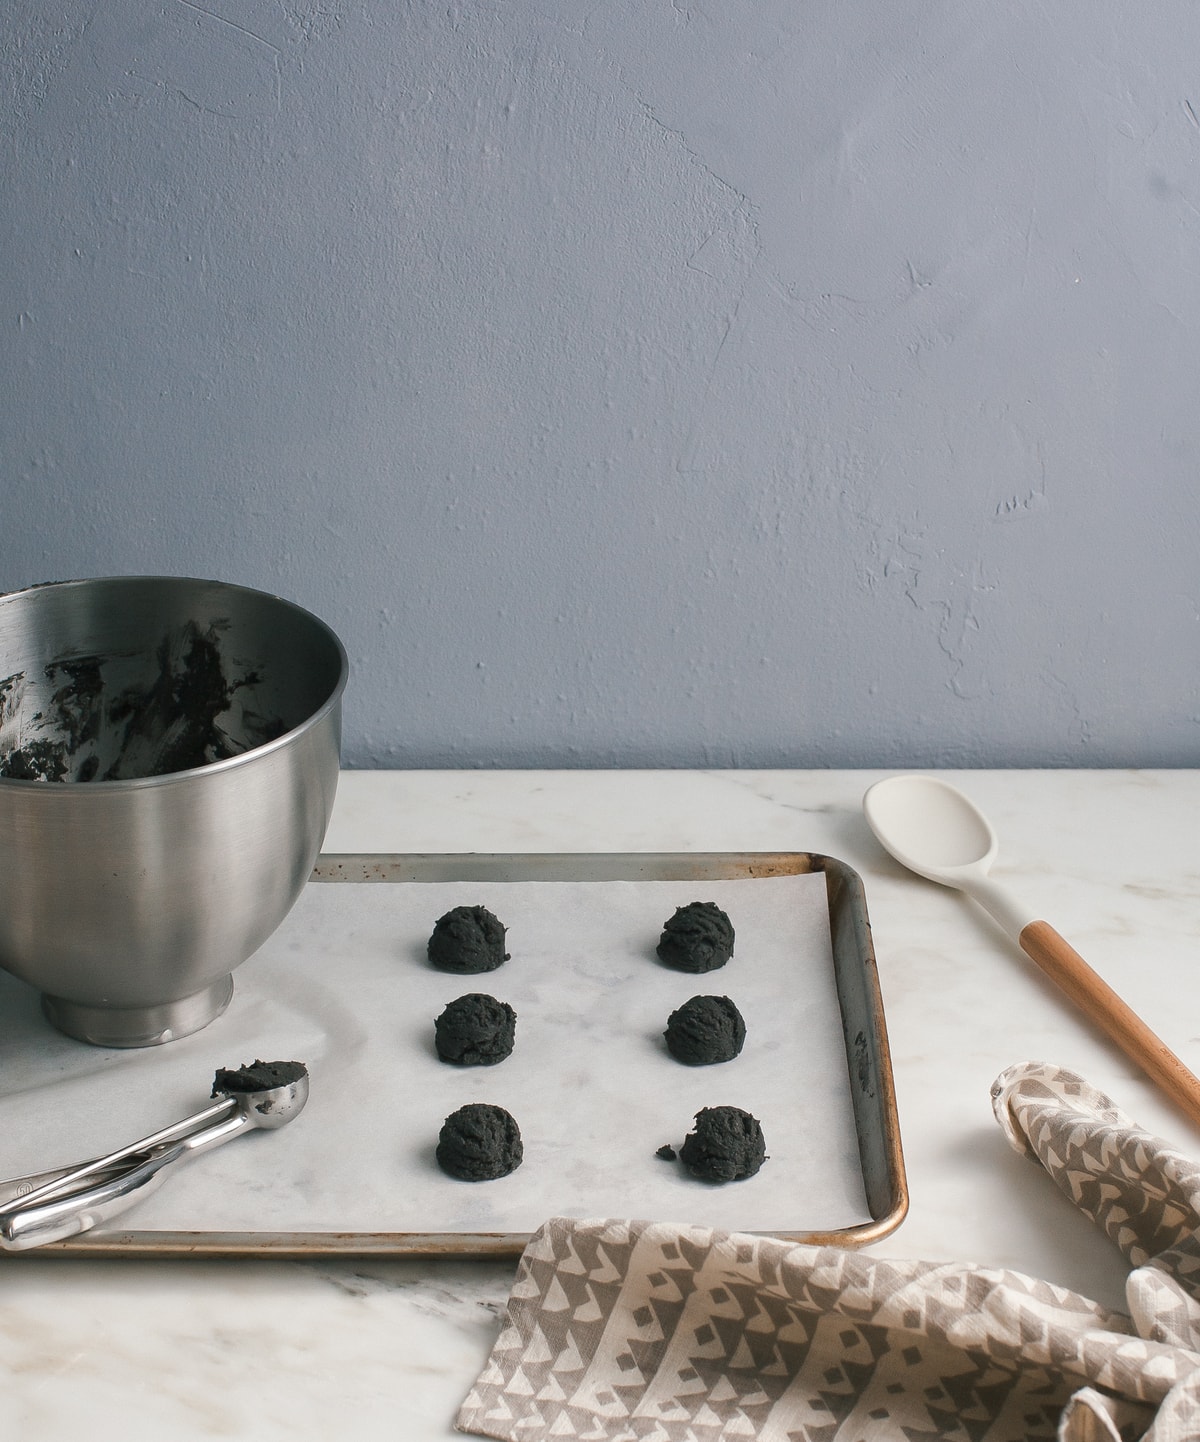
x=629 y=1331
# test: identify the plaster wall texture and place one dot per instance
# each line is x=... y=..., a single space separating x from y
x=643 y=384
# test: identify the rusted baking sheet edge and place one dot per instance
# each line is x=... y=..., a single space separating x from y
x=312 y=1246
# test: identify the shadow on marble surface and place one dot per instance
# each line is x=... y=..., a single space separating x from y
x=1047 y=1236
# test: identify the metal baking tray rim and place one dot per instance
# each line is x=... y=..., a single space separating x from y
x=867 y=1053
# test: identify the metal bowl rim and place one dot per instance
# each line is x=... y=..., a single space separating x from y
x=133 y=783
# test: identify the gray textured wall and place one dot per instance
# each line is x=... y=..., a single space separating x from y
x=750 y=382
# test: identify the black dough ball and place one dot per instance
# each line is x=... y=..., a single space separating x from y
x=475 y=1030
x=699 y=937
x=726 y=1146
x=705 y=1030
x=479 y=1142
x=467 y=939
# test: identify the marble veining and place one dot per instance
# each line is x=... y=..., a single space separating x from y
x=379 y=1349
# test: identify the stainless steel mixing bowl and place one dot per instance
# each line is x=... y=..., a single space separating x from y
x=169 y=753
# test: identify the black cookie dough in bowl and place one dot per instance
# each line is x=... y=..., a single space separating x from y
x=698 y=938
x=168 y=763
x=479 y=1142
x=466 y=940
x=475 y=1030
x=705 y=1030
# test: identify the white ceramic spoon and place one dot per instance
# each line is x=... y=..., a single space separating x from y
x=933 y=829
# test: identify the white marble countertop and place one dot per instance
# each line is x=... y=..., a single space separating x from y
x=137 y=1350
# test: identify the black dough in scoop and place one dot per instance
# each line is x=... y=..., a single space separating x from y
x=479 y=1142
x=475 y=1030
x=467 y=939
x=705 y=1030
x=259 y=1076
x=726 y=1146
x=699 y=937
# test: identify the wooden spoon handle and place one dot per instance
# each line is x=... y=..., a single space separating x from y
x=1093 y=995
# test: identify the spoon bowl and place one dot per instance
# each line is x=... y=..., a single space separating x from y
x=930 y=827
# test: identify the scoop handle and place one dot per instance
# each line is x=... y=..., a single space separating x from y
x=1093 y=995
x=22 y=1227
x=68 y=1180
x=53 y=1217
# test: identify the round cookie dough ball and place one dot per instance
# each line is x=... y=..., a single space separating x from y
x=479 y=1142
x=705 y=1030
x=699 y=937
x=475 y=1030
x=467 y=939
x=726 y=1146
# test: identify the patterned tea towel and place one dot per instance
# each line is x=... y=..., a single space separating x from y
x=621 y=1331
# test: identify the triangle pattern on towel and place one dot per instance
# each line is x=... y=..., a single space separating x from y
x=622 y=1331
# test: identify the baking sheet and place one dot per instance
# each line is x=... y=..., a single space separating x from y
x=344 y=985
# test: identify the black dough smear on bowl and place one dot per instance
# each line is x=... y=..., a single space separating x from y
x=467 y=939
x=165 y=722
x=698 y=938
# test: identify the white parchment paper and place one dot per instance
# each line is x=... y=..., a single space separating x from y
x=345 y=987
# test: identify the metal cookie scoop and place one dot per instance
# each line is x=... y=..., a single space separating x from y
x=266 y=1095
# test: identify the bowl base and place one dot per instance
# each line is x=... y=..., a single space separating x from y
x=129 y=1026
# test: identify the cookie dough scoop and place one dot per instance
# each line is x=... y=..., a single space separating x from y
x=261 y=1096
